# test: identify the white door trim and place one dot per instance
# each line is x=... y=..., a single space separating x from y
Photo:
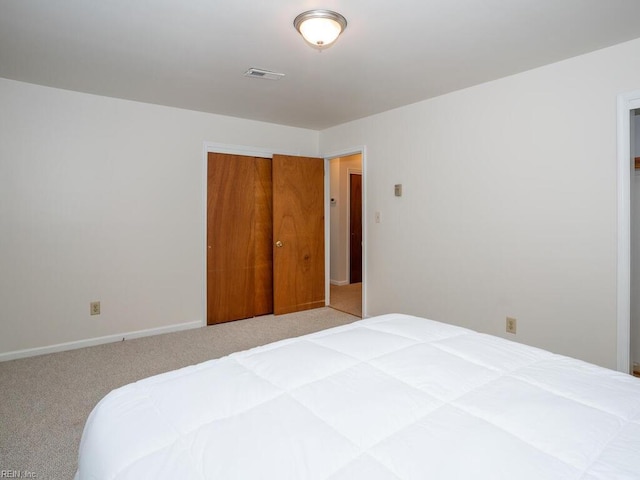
x=626 y=102
x=362 y=150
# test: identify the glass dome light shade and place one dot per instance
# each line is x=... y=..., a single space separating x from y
x=320 y=27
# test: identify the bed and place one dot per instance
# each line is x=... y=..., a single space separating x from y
x=393 y=397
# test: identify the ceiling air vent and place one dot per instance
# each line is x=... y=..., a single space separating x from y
x=266 y=74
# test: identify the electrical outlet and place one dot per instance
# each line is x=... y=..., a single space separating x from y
x=377 y=217
x=511 y=325
x=94 y=308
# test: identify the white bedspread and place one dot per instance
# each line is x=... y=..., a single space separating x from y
x=391 y=397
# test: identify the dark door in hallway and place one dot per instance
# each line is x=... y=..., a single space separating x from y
x=355 y=228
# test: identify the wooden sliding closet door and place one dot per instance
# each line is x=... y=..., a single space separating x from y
x=298 y=233
x=239 y=238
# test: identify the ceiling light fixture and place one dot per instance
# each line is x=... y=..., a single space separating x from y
x=320 y=27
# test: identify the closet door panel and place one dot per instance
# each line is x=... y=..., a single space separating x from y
x=230 y=238
x=298 y=233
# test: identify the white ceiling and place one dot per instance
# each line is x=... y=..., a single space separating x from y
x=193 y=53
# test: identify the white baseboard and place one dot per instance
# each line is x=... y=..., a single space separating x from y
x=90 y=342
x=339 y=283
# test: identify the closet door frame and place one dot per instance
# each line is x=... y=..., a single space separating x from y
x=212 y=147
x=268 y=153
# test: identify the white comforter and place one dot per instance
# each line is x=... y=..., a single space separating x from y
x=392 y=397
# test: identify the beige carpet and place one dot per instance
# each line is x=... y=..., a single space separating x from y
x=347 y=298
x=46 y=400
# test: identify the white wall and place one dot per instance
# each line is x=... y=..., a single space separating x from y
x=101 y=199
x=508 y=206
x=340 y=168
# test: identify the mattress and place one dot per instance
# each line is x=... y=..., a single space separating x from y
x=390 y=397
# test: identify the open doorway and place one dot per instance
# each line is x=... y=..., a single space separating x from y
x=635 y=242
x=627 y=103
x=345 y=237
